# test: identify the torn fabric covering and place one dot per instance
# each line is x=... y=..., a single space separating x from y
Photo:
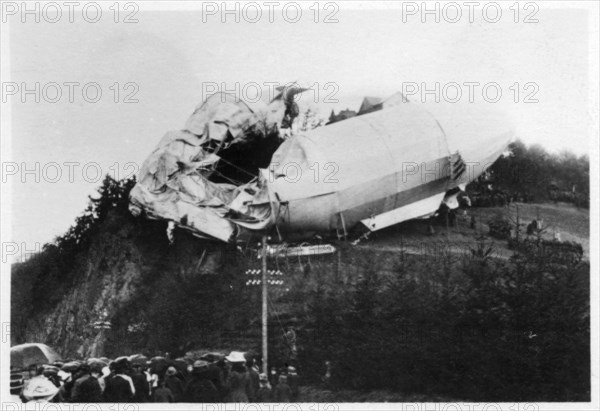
x=175 y=182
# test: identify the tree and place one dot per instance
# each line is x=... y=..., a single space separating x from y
x=310 y=120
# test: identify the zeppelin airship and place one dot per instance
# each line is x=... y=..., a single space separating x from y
x=234 y=170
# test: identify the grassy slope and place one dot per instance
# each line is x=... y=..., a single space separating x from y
x=572 y=223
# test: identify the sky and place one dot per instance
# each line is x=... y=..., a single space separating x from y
x=152 y=73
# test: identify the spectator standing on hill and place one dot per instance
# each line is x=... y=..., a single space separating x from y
x=238 y=382
x=290 y=343
x=173 y=383
x=72 y=370
x=216 y=374
x=140 y=383
x=264 y=392
x=283 y=392
x=200 y=389
x=163 y=394
x=254 y=379
x=119 y=388
x=293 y=382
x=87 y=388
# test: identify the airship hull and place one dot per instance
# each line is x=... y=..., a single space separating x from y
x=378 y=169
x=374 y=170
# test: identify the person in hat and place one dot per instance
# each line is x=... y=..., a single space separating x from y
x=119 y=387
x=254 y=377
x=39 y=390
x=163 y=394
x=200 y=389
x=283 y=392
x=216 y=371
x=51 y=373
x=87 y=388
x=173 y=383
x=290 y=343
x=70 y=374
x=140 y=383
x=264 y=393
x=293 y=382
x=108 y=372
x=273 y=377
x=17 y=382
x=239 y=384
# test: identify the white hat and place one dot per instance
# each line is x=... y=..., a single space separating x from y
x=40 y=388
x=236 y=356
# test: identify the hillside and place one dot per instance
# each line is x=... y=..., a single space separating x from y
x=573 y=224
x=429 y=301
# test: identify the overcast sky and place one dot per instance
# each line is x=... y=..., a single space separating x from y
x=169 y=55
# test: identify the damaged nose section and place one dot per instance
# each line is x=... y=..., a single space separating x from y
x=206 y=178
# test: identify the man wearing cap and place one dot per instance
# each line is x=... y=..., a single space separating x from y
x=216 y=374
x=173 y=383
x=70 y=371
x=140 y=382
x=293 y=382
x=264 y=393
x=120 y=387
x=283 y=392
x=87 y=388
x=200 y=389
x=254 y=377
x=51 y=373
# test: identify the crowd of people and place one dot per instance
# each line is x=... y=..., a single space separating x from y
x=211 y=379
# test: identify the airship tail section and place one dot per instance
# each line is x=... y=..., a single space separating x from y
x=418 y=209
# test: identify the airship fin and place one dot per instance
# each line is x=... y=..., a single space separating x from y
x=418 y=209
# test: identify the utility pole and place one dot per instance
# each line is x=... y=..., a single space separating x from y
x=264 y=305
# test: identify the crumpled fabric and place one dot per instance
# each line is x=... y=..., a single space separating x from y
x=174 y=182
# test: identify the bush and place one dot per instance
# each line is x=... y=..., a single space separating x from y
x=475 y=329
x=500 y=227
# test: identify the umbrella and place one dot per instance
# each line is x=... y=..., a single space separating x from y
x=138 y=359
x=22 y=356
x=213 y=357
x=71 y=366
x=180 y=364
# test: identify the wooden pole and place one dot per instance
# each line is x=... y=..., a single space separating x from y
x=264 y=305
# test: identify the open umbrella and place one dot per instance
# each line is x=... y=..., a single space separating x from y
x=138 y=359
x=213 y=357
x=22 y=356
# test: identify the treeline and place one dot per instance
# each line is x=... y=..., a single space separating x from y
x=473 y=328
x=532 y=174
x=41 y=282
